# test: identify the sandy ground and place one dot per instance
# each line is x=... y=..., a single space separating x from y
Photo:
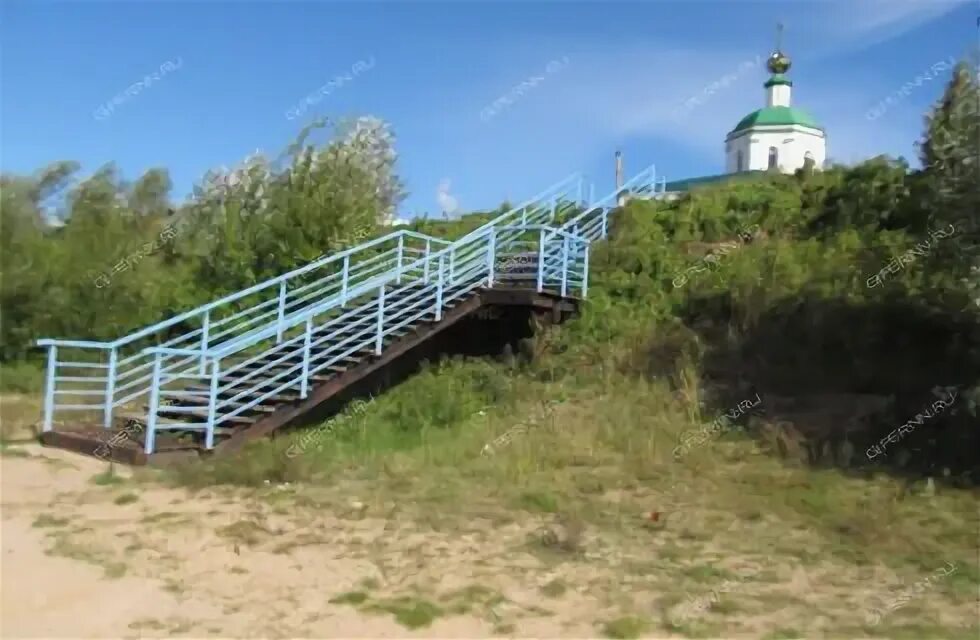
x=77 y=564
x=135 y=558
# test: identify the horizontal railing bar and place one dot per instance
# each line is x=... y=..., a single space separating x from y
x=83 y=365
x=82 y=344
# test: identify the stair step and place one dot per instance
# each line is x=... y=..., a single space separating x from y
x=202 y=413
x=282 y=396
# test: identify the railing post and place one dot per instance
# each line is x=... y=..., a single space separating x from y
x=280 y=317
x=381 y=318
x=304 y=385
x=401 y=251
x=205 y=329
x=491 y=255
x=452 y=264
x=212 y=403
x=425 y=273
x=554 y=206
x=343 y=282
x=585 y=273
x=49 y=387
x=564 y=266
x=541 y=261
x=524 y=216
x=605 y=217
x=110 y=389
x=439 y=285
x=151 y=418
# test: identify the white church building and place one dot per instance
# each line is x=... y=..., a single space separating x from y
x=778 y=136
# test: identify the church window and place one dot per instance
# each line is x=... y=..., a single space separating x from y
x=808 y=162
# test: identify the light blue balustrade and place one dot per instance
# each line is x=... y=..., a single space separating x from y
x=277 y=336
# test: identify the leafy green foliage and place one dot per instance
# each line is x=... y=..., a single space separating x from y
x=112 y=267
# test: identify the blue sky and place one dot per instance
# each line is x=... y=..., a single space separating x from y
x=618 y=74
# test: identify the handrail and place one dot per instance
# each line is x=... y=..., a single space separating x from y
x=417 y=282
x=120 y=342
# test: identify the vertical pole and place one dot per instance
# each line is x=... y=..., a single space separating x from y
x=564 y=266
x=401 y=251
x=439 y=289
x=452 y=264
x=151 y=418
x=381 y=319
x=524 y=216
x=205 y=329
x=49 y=387
x=619 y=172
x=343 y=281
x=110 y=389
x=604 y=221
x=491 y=249
x=591 y=192
x=282 y=311
x=304 y=384
x=541 y=261
x=554 y=205
x=578 y=191
x=212 y=403
x=585 y=273
x=425 y=274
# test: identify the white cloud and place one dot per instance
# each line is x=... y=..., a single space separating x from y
x=447 y=202
x=876 y=21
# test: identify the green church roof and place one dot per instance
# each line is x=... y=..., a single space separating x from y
x=777 y=116
x=778 y=78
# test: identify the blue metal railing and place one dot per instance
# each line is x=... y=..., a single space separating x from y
x=290 y=328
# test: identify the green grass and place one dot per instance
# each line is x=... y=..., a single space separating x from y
x=554 y=589
x=349 y=597
x=48 y=520
x=12 y=452
x=707 y=573
x=107 y=478
x=643 y=364
x=21 y=377
x=540 y=501
x=410 y=612
x=625 y=628
x=244 y=531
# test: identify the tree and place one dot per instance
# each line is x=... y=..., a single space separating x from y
x=950 y=190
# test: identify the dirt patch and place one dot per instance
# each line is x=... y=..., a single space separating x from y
x=133 y=557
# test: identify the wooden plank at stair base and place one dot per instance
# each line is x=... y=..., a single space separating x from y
x=324 y=392
x=88 y=443
x=545 y=300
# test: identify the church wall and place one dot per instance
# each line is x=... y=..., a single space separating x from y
x=755 y=147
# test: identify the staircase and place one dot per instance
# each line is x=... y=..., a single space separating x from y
x=241 y=367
